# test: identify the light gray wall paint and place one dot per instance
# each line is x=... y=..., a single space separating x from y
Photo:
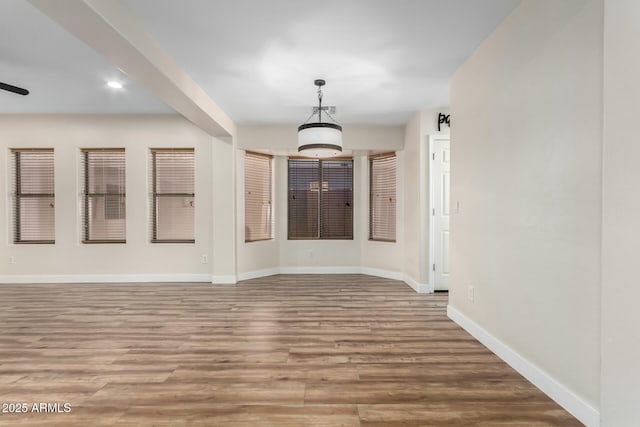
x=526 y=146
x=67 y=134
x=620 y=378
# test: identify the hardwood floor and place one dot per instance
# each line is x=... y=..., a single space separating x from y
x=343 y=350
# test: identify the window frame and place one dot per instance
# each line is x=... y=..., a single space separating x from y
x=321 y=204
x=87 y=195
x=18 y=195
x=372 y=160
x=155 y=195
x=270 y=219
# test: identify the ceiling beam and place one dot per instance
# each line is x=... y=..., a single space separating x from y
x=108 y=27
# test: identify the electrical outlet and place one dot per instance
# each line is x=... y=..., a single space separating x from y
x=12 y=260
x=471 y=293
x=205 y=259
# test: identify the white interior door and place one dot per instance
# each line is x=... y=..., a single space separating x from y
x=440 y=166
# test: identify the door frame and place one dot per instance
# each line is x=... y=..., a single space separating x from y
x=432 y=140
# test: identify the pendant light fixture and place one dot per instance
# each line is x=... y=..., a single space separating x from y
x=320 y=139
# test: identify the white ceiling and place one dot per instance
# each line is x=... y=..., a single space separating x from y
x=382 y=59
x=62 y=73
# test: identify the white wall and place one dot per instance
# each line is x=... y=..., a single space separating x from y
x=410 y=157
x=69 y=258
x=316 y=255
x=407 y=259
x=219 y=205
x=223 y=217
x=322 y=255
x=281 y=139
x=383 y=258
x=415 y=174
x=526 y=168
x=620 y=377
x=262 y=257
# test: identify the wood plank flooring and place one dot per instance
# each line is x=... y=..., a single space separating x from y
x=339 y=350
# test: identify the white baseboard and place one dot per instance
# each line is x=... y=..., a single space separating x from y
x=425 y=288
x=564 y=397
x=224 y=280
x=320 y=270
x=215 y=279
x=105 y=278
x=421 y=288
x=258 y=273
x=394 y=275
x=386 y=274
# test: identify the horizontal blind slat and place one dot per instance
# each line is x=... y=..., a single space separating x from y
x=258 y=199
x=337 y=203
x=104 y=199
x=33 y=195
x=382 y=197
x=173 y=195
x=320 y=199
x=303 y=199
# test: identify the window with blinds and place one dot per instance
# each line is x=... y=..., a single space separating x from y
x=33 y=196
x=320 y=199
x=172 y=195
x=382 y=197
x=103 y=197
x=258 y=216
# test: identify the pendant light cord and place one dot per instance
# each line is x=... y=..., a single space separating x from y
x=320 y=109
x=319 y=104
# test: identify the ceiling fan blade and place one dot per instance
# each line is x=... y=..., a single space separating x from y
x=14 y=89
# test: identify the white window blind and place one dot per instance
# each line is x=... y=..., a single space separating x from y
x=103 y=199
x=382 y=197
x=258 y=218
x=172 y=195
x=320 y=199
x=33 y=196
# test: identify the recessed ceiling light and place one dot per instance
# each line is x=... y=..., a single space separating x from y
x=114 y=84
